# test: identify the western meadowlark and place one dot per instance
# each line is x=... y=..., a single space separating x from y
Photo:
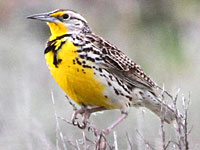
x=95 y=73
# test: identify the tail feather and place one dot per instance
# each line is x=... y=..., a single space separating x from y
x=161 y=109
x=153 y=103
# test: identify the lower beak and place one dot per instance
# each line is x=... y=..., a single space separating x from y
x=42 y=17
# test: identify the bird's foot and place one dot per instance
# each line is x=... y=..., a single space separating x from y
x=85 y=112
x=82 y=112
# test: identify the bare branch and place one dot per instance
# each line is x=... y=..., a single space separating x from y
x=115 y=140
x=164 y=91
x=101 y=143
x=84 y=141
x=162 y=119
x=186 y=121
x=77 y=144
x=71 y=103
x=71 y=143
x=129 y=142
x=63 y=119
x=144 y=140
x=58 y=130
x=166 y=146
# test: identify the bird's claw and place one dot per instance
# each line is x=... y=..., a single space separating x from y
x=76 y=123
x=83 y=126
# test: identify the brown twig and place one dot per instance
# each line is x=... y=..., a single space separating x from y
x=101 y=142
x=178 y=121
x=162 y=119
x=166 y=146
x=186 y=121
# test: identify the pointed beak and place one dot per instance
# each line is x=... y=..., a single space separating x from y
x=43 y=17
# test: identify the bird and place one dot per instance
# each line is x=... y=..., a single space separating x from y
x=95 y=73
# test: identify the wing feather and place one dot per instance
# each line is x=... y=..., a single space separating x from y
x=120 y=64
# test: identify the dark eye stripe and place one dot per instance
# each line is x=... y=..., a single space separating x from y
x=78 y=19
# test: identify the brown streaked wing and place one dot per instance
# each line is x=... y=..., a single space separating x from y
x=121 y=65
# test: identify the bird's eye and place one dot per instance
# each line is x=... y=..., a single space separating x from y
x=65 y=16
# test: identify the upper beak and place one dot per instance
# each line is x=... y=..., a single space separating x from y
x=43 y=17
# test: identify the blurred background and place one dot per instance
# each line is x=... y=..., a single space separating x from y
x=163 y=36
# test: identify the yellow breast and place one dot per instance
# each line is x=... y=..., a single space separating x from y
x=78 y=82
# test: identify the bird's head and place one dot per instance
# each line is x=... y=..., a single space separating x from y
x=63 y=21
